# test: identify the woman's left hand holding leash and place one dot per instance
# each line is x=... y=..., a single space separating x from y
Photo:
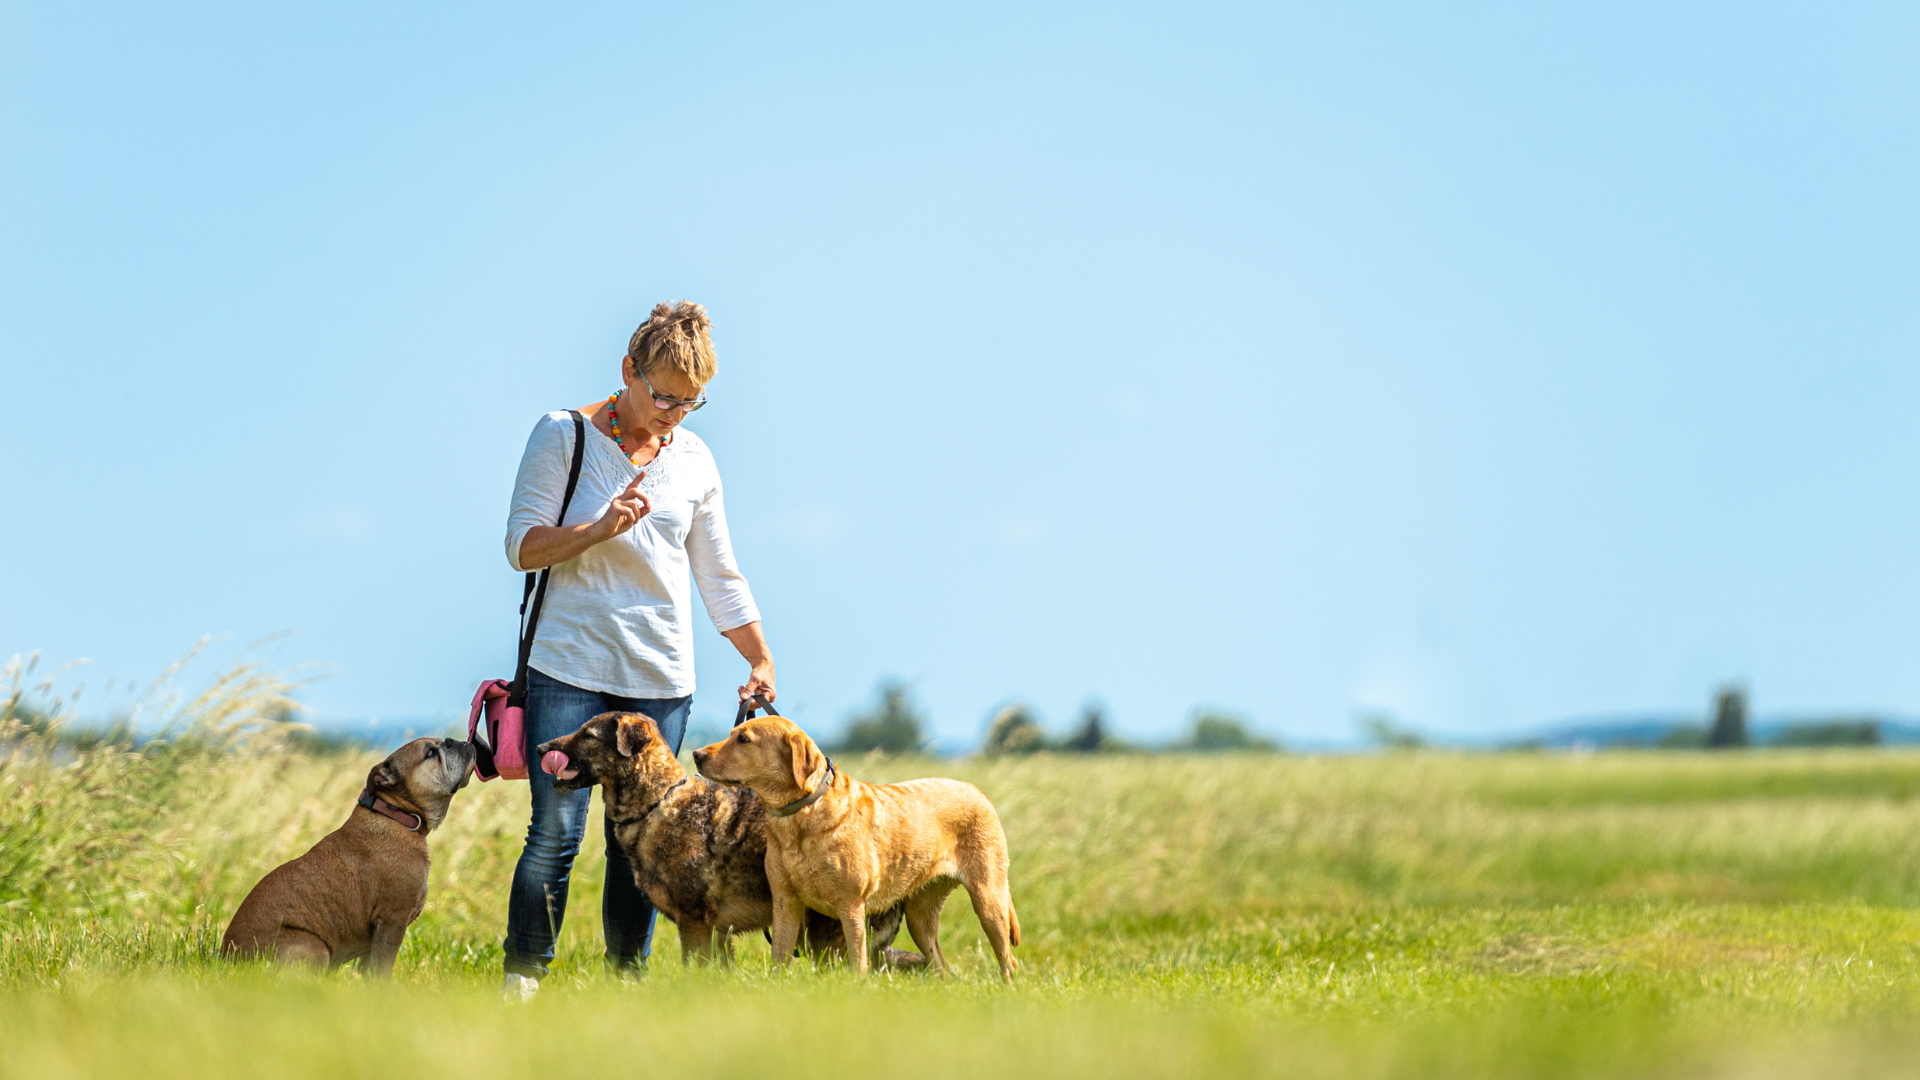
x=759 y=681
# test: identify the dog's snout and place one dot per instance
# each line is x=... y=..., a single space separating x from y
x=700 y=756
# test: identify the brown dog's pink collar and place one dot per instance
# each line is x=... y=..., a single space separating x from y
x=381 y=806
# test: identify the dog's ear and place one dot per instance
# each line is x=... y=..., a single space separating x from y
x=383 y=777
x=805 y=754
x=630 y=735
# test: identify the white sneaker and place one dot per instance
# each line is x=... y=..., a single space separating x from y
x=519 y=989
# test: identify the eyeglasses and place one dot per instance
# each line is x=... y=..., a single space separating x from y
x=662 y=402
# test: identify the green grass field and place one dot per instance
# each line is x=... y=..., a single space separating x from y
x=1410 y=915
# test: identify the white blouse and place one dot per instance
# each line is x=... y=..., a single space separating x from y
x=616 y=617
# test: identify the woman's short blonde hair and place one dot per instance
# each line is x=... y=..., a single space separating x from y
x=677 y=335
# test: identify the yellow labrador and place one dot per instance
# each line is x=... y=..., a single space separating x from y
x=846 y=848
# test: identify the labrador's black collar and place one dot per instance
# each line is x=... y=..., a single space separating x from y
x=804 y=801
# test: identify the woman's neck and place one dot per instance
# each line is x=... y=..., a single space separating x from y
x=633 y=429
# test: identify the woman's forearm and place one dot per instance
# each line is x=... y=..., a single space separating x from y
x=751 y=642
x=546 y=545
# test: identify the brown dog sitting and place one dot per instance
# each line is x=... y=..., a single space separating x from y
x=353 y=895
x=698 y=849
x=838 y=846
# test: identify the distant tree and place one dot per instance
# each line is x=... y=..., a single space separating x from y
x=1729 y=728
x=1015 y=731
x=894 y=725
x=1385 y=732
x=1091 y=735
x=1216 y=731
x=1839 y=731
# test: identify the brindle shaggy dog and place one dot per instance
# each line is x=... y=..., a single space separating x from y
x=698 y=849
x=354 y=894
x=838 y=846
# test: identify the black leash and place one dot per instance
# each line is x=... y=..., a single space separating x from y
x=751 y=705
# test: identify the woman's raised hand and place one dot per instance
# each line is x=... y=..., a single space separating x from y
x=547 y=545
x=627 y=508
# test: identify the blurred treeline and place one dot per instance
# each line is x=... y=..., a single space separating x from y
x=895 y=724
x=1726 y=726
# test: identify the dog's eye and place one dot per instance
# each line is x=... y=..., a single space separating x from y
x=745 y=738
x=433 y=751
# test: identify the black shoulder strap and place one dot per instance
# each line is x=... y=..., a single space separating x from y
x=537 y=590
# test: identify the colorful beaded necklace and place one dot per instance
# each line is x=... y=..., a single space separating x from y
x=613 y=421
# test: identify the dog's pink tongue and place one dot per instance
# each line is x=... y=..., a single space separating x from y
x=552 y=762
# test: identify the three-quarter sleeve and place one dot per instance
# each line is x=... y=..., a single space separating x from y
x=541 y=483
x=710 y=553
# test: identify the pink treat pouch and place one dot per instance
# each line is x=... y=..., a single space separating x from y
x=502 y=748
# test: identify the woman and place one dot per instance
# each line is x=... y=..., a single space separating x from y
x=616 y=633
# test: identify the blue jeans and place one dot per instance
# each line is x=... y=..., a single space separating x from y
x=538 y=903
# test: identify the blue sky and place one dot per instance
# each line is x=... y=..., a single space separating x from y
x=1487 y=364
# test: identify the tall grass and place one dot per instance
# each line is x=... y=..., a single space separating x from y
x=1422 y=914
x=96 y=825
